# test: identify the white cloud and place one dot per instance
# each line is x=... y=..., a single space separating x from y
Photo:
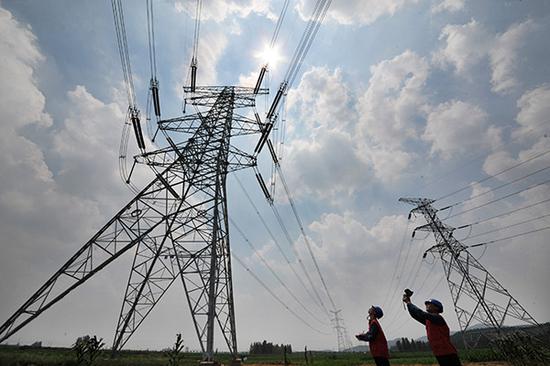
x=469 y=44
x=211 y=48
x=23 y=103
x=219 y=10
x=327 y=166
x=389 y=164
x=448 y=5
x=534 y=112
x=394 y=100
x=504 y=56
x=347 y=248
x=87 y=146
x=457 y=127
x=465 y=46
x=323 y=99
x=358 y=12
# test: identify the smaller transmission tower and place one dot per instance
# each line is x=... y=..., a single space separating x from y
x=343 y=339
x=477 y=295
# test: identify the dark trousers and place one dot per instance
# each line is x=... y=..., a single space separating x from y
x=381 y=361
x=449 y=360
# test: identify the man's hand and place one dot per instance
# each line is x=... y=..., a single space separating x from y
x=406 y=299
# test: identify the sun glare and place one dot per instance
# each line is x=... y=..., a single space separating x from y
x=269 y=56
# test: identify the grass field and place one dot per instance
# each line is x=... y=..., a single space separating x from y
x=15 y=356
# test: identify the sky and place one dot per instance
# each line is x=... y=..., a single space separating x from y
x=396 y=98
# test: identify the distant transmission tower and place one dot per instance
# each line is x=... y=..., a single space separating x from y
x=343 y=339
x=177 y=225
x=476 y=294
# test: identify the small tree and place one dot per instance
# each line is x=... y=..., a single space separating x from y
x=87 y=349
x=174 y=354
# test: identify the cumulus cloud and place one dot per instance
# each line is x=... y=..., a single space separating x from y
x=389 y=164
x=211 y=49
x=465 y=46
x=46 y=209
x=448 y=5
x=323 y=99
x=349 y=132
x=457 y=126
x=219 y=10
x=88 y=142
x=394 y=100
x=504 y=56
x=326 y=166
x=469 y=44
x=532 y=119
x=534 y=112
x=357 y=12
x=368 y=250
x=22 y=104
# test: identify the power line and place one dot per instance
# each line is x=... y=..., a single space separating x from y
x=508 y=237
x=279 y=23
x=274 y=239
x=302 y=265
x=508 y=226
x=496 y=188
x=503 y=214
x=306 y=240
x=397 y=264
x=118 y=16
x=460 y=168
x=275 y=296
x=273 y=271
x=500 y=199
x=495 y=175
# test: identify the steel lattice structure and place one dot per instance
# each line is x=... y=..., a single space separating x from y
x=341 y=333
x=476 y=294
x=177 y=225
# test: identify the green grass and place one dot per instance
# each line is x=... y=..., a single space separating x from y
x=14 y=356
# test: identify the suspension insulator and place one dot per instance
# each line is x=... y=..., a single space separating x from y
x=264 y=187
x=193 y=76
x=272 y=152
x=258 y=119
x=276 y=101
x=137 y=131
x=260 y=79
x=156 y=99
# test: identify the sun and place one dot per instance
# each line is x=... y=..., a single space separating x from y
x=269 y=56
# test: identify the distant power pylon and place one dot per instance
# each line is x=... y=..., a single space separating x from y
x=177 y=225
x=476 y=294
x=343 y=339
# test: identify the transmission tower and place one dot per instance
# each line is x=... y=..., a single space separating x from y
x=343 y=339
x=476 y=294
x=177 y=225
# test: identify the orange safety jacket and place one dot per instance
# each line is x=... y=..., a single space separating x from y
x=439 y=338
x=379 y=345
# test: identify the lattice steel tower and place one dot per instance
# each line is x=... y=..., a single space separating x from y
x=476 y=294
x=341 y=333
x=177 y=225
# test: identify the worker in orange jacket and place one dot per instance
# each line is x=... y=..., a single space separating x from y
x=437 y=330
x=378 y=344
